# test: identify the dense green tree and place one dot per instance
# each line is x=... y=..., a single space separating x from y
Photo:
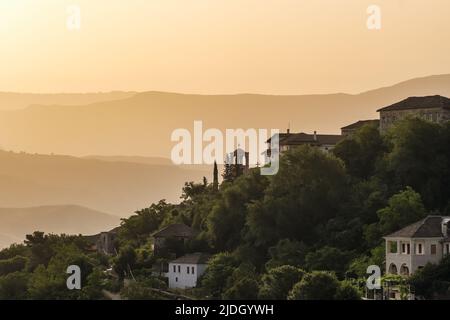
x=308 y=190
x=146 y=221
x=404 y=208
x=92 y=289
x=125 y=261
x=243 y=289
x=50 y=282
x=11 y=265
x=14 y=286
x=242 y=284
x=317 y=285
x=287 y=252
x=433 y=281
x=220 y=268
x=419 y=158
x=277 y=282
x=215 y=178
x=347 y=291
x=227 y=219
x=361 y=151
x=328 y=259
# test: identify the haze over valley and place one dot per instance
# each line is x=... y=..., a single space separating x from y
x=110 y=156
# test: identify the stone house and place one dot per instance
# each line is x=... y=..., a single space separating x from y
x=431 y=108
x=411 y=248
x=106 y=242
x=177 y=232
x=352 y=128
x=287 y=141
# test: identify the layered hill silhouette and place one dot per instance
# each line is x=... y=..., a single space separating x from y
x=15 y=223
x=13 y=101
x=115 y=187
x=128 y=135
x=142 y=123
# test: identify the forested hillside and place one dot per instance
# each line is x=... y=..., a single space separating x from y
x=308 y=232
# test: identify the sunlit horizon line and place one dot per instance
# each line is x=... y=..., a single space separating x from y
x=218 y=93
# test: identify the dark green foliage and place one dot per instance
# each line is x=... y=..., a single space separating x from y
x=318 y=285
x=404 y=208
x=325 y=213
x=419 y=158
x=361 y=151
x=287 y=252
x=307 y=191
x=11 y=265
x=347 y=291
x=219 y=269
x=125 y=261
x=227 y=218
x=433 y=281
x=277 y=282
x=215 y=177
x=244 y=289
x=14 y=286
x=242 y=284
x=146 y=221
x=328 y=259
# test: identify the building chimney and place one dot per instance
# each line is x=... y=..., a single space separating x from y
x=315 y=135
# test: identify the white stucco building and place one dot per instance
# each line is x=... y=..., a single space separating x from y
x=185 y=271
x=411 y=248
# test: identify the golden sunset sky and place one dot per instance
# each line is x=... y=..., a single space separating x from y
x=220 y=46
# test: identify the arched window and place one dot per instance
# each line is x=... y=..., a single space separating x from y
x=393 y=269
x=404 y=270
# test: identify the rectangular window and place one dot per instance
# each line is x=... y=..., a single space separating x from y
x=179 y=269
x=193 y=270
x=393 y=246
x=176 y=279
x=419 y=248
x=187 y=269
x=447 y=246
x=174 y=268
x=433 y=249
x=406 y=248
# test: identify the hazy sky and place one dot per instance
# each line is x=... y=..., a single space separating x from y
x=220 y=46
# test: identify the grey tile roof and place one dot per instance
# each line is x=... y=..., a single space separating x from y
x=360 y=123
x=193 y=258
x=302 y=138
x=430 y=227
x=419 y=103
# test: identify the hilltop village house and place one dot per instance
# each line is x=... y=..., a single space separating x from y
x=103 y=242
x=185 y=271
x=177 y=232
x=431 y=108
x=352 y=128
x=287 y=141
x=411 y=248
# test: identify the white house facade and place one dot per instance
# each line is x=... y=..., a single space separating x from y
x=411 y=248
x=185 y=271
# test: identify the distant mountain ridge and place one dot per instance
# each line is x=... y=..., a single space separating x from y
x=15 y=223
x=142 y=123
x=13 y=100
x=119 y=188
